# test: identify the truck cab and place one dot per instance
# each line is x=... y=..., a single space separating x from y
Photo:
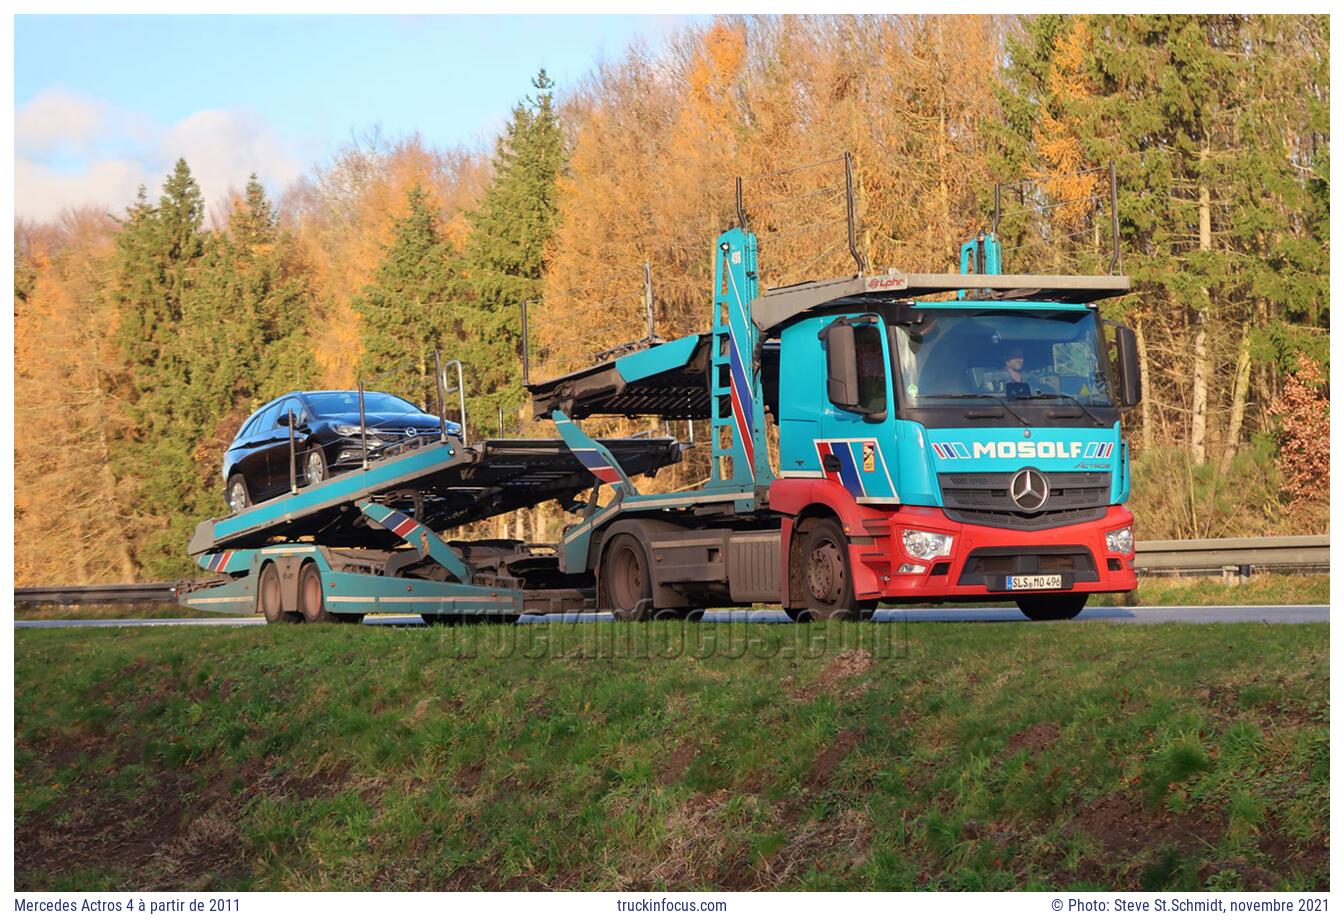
x=985 y=432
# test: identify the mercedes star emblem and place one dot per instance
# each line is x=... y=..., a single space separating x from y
x=1029 y=490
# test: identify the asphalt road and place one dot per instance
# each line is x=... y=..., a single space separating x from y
x=1301 y=613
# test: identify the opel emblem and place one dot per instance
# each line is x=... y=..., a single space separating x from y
x=1029 y=490
x=410 y=432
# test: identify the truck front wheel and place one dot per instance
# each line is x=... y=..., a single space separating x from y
x=1052 y=606
x=827 y=583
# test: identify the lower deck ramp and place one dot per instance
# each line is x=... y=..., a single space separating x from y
x=443 y=485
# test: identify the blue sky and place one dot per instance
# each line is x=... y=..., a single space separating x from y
x=104 y=103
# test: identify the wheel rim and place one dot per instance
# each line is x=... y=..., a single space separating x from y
x=826 y=572
x=627 y=579
x=237 y=497
x=314 y=469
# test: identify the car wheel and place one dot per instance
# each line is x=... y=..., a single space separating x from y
x=269 y=598
x=236 y=493
x=629 y=585
x=315 y=466
x=1052 y=606
x=311 y=601
x=828 y=584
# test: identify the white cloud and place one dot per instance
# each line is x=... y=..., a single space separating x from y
x=73 y=150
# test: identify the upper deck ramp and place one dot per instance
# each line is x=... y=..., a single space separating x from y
x=450 y=484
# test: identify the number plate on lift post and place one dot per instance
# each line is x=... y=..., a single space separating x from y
x=1033 y=582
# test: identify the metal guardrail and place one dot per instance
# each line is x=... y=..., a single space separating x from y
x=1236 y=552
x=1241 y=553
x=154 y=593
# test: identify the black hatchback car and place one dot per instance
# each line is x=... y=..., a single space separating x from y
x=326 y=440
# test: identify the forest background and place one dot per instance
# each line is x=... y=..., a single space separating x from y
x=143 y=339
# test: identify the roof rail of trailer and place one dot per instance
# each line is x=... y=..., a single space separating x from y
x=779 y=305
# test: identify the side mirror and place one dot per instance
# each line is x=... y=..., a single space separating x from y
x=1127 y=368
x=842 y=367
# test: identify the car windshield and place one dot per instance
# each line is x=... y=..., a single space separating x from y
x=1004 y=354
x=348 y=404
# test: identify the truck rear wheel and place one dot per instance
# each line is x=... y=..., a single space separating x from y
x=1052 y=606
x=828 y=583
x=269 y=597
x=627 y=580
x=312 y=604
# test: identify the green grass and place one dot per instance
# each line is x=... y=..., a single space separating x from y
x=1153 y=592
x=934 y=756
x=1263 y=588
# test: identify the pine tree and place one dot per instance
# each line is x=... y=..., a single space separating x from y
x=504 y=257
x=406 y=311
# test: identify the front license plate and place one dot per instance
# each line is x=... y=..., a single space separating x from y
x=1034 y=582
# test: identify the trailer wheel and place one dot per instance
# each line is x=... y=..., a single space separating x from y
x=269 y=598
x=828 y=584
x=1052 y=606
x=626 y=577
x=311 y=602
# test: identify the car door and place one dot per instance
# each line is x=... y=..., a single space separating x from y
x=251 y=452
x=277 y=446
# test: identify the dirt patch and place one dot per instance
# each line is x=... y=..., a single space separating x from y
x=172 y=836
x=697 y=851
x=840 y=668
x=830 y=758
x=849 y=832
x=676 y=765
x=1127 y=831
x=1289 y=856
x=1033 y=738
x=468 y=775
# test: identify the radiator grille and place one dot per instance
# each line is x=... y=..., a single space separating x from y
x=982 y=498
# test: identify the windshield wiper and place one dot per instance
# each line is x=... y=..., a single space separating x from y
x=979 y=396
x=1074 y=399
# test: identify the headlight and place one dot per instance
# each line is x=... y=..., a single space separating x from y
x=1120 y=541
x=925 y=545
x=453 y=428
x=346 y=431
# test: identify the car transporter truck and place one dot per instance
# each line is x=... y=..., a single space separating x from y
x=941 y=437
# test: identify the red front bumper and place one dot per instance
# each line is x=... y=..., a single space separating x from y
x=981 y=555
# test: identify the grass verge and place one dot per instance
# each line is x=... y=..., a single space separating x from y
x=1153 y=592
x=930 y=756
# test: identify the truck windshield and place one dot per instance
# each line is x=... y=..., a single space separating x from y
x=1008 y=355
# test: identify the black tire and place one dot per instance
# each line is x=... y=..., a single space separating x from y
x=237 y=495
x=627 y=580
x=312 y=599
x=270 y=599
x=1052 y=606
x=828 y=584
x=314 y=466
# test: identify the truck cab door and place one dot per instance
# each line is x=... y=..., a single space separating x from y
x=855 y=442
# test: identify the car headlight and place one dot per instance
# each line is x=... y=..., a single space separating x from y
x=923 y=544
x=346 y=431
x=1120 y=541
x=452 y=428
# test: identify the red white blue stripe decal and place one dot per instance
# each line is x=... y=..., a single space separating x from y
x=398 y=523
x=848 y=474
x=216 y=562
x=739 y=388
x=597 y=465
